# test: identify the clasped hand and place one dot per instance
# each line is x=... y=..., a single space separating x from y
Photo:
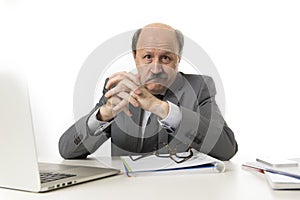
x=124 y=88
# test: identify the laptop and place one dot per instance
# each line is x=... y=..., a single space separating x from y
x=19 y=167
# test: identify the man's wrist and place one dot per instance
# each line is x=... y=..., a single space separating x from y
x=103 y=114
x=173 y=119
x=161 y=109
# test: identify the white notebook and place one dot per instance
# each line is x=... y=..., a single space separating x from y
x=278 y=177
x=278 y=181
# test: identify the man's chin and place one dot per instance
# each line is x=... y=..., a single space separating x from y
x=156 y=88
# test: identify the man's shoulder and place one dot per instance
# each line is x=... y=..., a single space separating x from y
x=196 y=78
x=200 y=83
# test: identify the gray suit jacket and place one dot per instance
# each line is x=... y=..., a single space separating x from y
x=202 y=126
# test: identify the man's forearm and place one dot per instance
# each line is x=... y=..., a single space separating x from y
x=80 y=140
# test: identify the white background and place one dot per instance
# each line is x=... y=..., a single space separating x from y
x=255 y=46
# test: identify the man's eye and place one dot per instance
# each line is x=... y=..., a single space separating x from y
x=147 y=57
x=165 y=58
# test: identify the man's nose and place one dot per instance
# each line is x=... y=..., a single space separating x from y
x=156 y=67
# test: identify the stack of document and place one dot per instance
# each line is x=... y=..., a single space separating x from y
x=278 y=177
x=152 y=165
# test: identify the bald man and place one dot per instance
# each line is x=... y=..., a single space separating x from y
x=157 y=110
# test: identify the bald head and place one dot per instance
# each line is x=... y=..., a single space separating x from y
x=159 y=25
x=159 y=36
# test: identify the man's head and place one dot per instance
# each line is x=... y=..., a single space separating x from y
x=157 y=50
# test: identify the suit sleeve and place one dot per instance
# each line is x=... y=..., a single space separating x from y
x=79 y=141
x=204 y=128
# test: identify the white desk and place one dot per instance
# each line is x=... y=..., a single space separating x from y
x=235 y=183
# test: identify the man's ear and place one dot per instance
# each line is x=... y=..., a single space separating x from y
x=134 y=55
x=179 y=58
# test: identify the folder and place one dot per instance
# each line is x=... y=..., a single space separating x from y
x=153 y=165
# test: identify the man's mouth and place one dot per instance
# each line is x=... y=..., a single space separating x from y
x=156 y=80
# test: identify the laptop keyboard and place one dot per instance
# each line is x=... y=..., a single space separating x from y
x=49 y=176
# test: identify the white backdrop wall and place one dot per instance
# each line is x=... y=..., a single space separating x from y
x=255 y=46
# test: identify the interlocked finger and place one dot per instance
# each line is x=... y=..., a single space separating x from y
x=123 y=86
x=122 y=106
x=119 y=76
x=128 y=97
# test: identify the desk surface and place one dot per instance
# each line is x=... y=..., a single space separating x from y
x=235 y=183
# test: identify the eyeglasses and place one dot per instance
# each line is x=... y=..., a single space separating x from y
x=172 y=154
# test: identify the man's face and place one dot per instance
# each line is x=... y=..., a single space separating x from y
x=157 y=58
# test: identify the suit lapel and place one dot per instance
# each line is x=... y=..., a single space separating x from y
x=175 y=92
